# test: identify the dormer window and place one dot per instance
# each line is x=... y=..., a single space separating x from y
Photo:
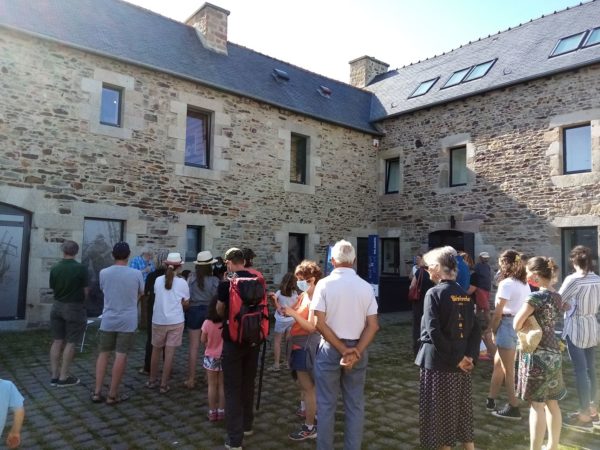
x=593 y=38
x=568 y=44
x=423 y=88
x=470 y=73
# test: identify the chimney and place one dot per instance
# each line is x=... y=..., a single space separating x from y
x=364 y=69
x=210 y=23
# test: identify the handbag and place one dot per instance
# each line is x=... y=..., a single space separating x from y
x=529 y=335
x=414 y=291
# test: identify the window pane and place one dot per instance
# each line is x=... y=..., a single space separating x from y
x=298 y=159
x=458 y=163
x=424 y=87
x=194 y=243
x=296 y=248
x=390 y=263
x=392 y=175
x=571 y=237
x=594 y=38
x=456 y=77
x=578 y=149
x=568 y=44
x=196 y=139
x=110 y=111
x=479 y=71
x=99 y=237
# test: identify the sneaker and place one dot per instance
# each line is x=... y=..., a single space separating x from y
x=508 y=412
x=574 y=423
x=220 y=415
x=274 y=368
x=213 y=416
x=303 y=433
x=70 y=381
x=53 y=381
x=248 y=432
x=490 y=404
x=229 y=447
x=301 y=413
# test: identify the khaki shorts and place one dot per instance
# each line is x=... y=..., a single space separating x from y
x=118 y=341
x=169 y=335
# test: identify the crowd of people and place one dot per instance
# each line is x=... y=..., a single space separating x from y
x=326 y=324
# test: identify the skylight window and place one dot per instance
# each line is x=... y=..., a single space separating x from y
x=423 y=88
x=568 y=44
x=456 y=78
x=480 y=70
x=593 y=38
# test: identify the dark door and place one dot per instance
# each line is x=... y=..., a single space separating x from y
x=362 y=258
x=461 y=241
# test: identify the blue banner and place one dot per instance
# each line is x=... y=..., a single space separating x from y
x=328 y=265
x=373 y=259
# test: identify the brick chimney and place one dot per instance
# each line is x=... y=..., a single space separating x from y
x=210 y=23
x=364 y=69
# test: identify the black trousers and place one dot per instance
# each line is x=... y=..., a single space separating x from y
x=148 y=350
x=417 y=310
x=239 y=364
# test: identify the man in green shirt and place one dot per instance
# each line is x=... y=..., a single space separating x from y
x=68 y=318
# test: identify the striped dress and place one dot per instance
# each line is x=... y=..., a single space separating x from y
x=582 y=292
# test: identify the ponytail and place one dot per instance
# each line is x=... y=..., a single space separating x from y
x=169 y=277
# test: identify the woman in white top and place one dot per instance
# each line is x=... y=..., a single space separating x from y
x=172 y=294
x=286 y=296
x=581 y=293
x=512 y=292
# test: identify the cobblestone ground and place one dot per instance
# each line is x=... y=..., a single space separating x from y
x=64 y=418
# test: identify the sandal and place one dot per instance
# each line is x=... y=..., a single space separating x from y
x=164 y=389
x=151 y=384
x=118 y=399
x=97 y=398
x=189 y=385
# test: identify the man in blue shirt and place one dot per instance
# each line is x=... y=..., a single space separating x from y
x=144 y=262
x=10 y=397
x=463 y=277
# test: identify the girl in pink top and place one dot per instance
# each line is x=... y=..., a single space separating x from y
x=212 y=338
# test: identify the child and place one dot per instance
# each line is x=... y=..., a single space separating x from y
x=11 y=398
x=286 y=296
x=212 y=339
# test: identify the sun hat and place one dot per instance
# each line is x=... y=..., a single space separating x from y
x=484 y=255
x=174 y=259
x=204 y=258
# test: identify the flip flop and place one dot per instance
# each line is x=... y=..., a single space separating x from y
x=151 y=384
x=97 y=398
x=164 y=389
x=118 y=399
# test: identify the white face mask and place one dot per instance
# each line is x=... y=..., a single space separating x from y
x=302 y=285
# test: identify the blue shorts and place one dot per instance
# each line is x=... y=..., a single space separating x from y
x=194 y=317
x=506 y=336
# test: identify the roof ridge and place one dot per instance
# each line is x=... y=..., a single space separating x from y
x=491 y=35
x=133 y=5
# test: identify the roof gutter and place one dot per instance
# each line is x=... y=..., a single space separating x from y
x=218 y=87
x=490 y=89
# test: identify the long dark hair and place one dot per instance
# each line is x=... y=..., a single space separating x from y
x=211 y=313
x=288 y=284
x=169 y=276
x=202 y=271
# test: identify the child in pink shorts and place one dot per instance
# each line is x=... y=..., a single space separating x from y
x=213 y=340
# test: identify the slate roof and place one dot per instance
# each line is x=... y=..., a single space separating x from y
x=123 y=31
x=522 y=54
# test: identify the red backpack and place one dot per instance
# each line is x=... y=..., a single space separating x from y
x=248 y=316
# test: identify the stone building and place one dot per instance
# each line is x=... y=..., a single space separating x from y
x=123 y=124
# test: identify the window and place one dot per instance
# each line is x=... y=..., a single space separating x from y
x=479 y=71
x=193 y=237
x=99 y=237
x=390 y=256
x=458 y=166
x=593 y=38
x=568 y=44
x=392 y=175
x=577 y=149
x=572 y=237
x=298 y=158
x=296 y=250
x=197 y=139
x=110 y=110
x=456 y=78
x=423 y=88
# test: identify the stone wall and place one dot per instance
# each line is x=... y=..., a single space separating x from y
x=515 y=197
x=60 y=165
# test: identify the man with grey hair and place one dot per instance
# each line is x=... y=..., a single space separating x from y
x=68 y=318
x=346 y=312
x=144 y=262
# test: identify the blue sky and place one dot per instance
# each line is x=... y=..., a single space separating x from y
x=324 y=35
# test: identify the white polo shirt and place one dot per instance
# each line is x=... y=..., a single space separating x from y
x=347 y=300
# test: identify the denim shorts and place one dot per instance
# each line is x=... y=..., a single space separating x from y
x=194 y=317
x=506 y=336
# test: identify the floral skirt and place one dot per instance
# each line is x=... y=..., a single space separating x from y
x=539 y=376
x=445 y=408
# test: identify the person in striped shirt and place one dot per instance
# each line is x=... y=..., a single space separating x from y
x=581 y=293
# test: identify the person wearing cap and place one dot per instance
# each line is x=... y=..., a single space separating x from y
x=172 y=295
x=122 y=286
x=239 y=362
x=203 y=288
x=144 y=262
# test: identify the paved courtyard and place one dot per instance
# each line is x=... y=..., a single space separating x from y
x=64 y=418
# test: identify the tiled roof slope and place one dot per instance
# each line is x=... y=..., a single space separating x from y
x=522 y=54
x=120 y=30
